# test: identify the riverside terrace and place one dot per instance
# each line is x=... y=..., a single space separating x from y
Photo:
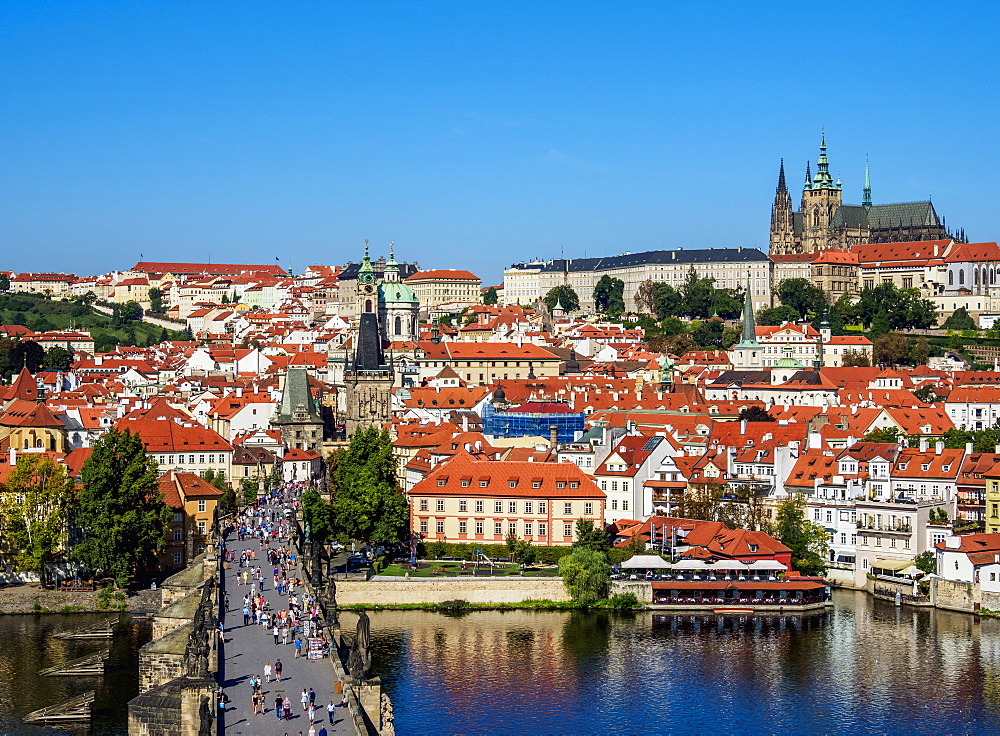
x=761 y=584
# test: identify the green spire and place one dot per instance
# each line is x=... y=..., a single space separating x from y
x=749 y=323
x=866 y=201
x=823 y=180
x=366 y=274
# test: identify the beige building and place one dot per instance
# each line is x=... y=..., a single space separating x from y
x=527 y=283
x=444 y=286
x=53 y=284
x=482 y=363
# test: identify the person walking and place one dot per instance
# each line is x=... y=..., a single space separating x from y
x=312 y=697
x=330 y=711
x=279 y=705
x=312 y=713
x=246 y=614
x=298 y=648
x=277 y=670
x=287 y=707
x=267 y=672
x=277 y=632
x=305 y=699
x=284 y=634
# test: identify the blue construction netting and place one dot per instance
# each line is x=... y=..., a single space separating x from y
x=525 y=424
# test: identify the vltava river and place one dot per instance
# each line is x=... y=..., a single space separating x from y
x=862 y=667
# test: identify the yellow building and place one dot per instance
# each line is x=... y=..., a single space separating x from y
x=194 y=503
x=993 y=500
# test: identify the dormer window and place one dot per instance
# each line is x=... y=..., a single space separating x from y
x=753 y=547
x=512 y=483
x=441 y=482
x=925 y=466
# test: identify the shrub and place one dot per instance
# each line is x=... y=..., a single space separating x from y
x=624 y=601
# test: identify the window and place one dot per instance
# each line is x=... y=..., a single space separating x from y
x=829 y=516
x=441 y=482
x=423 y=526
x=498 y=529
x=588 y=508
x=498 y=507
x=201 y=527
x=542 y=529
x=536 y=484
x=479 y=527
x=512 y=528
x=211 y=458
x=512 y=507
x=560 y=484
x=574 y=484
x=178 y=517
x=567 y=530
x=527 y=530
x=542 y=505
x=465 y=482
x=440 y=504
x=843 y=538
x=463 y=505
x=816 y=514
x=483 y=483
x=604 y=485
x=423 y=504
x=201 y=505
x=479 y=507
x=614 y=504
x=177 y=558
x=624 y=505
x=178 y=535
x=180 y=459
x=440 y=527
x=528 y=506
x=512 y=483
x=568 y=508
x=462 y=527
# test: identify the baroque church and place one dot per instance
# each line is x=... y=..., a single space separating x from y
x=823 y=221
x=386 y=314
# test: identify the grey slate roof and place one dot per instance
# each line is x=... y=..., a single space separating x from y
x=296 y=392
x=702 y=255
x=900 y=214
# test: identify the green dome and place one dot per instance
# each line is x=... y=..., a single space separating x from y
x=396 y=293
x=788 y=363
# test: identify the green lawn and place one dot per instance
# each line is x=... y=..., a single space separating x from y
x=454 y=570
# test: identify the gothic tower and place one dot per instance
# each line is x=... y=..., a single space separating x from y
x=820 y=199
x=367 y=376
x=782 y=218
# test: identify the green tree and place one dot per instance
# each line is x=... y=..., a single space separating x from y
x=809 y=542
x=156 y=301
x=890 y=349
x=4 y=282
x=34 y=510
x=164 y=336
x=58 y=359
x=928 y=394
x=367 y=504
x=591 y=536
x=121 y=511
x=802 y=295
x=319 y=515
x=855 y=359
x=249 y=488
x=881 y=325
x=926 y=562
x=645 y=296
x=667 y=302
x=774 y=316
x=609 y=295
x=959 y=320
x=883 y=434
x=490 y=296
x=842 y=314
x=709 y=334
x=754 y=413
x=586 y=574
x=131 y=311
x=698 y=296
x=563 y=294
x=920 y=351
x=672 y=326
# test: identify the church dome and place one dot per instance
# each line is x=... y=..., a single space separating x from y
x=499 y=394
x=396 y=293
x=788 y=362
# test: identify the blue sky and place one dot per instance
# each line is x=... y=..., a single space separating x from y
x=472 y=134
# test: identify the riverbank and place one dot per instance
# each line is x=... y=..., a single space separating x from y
x=21 y=599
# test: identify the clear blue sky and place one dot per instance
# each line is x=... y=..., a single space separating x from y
x=473 y=134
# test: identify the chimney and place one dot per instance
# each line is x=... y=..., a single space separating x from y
x=13 y=456
x=743 y=426
x=953 y=542
x=939 y=447
x=924 y=444
x=553 y=436
x=239 y=392
x=465 y=423
x=968 y=448
x=815 y=441
x=531 y=458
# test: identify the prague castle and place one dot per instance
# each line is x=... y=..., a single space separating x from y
x=824 y=221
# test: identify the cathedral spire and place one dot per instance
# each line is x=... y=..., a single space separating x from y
x=808 y=177
x=781 y=178
x=866 y=201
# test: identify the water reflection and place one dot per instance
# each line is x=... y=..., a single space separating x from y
x=864 y=666
x=27 y=646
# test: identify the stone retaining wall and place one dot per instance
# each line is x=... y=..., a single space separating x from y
x=438 y=590
x=955 y=595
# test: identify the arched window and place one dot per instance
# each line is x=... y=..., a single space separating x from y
x=26 y=444
x=38 y=444
x=399 y=326
x=951 y=278
x=975 y=276
x=961 y=277
x=368 y=305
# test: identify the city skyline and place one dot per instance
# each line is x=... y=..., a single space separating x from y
x=472 y=137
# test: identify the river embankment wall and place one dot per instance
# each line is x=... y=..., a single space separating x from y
x=395 y=591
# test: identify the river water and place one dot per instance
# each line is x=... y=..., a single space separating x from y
x=27 y=647
x=863 y=666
